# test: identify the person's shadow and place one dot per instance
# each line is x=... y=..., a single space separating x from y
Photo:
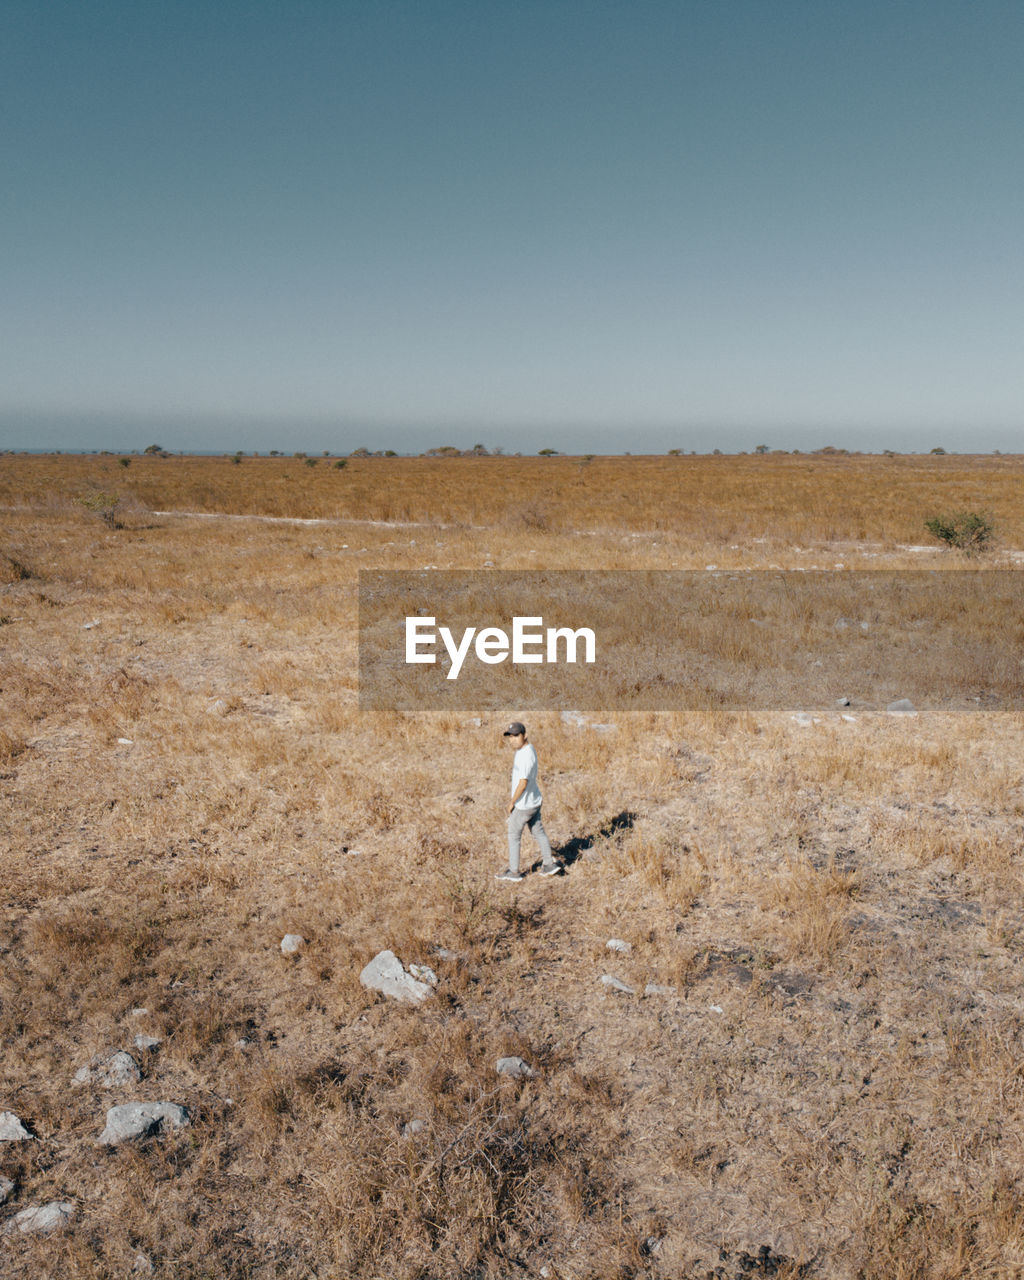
x=571 y=850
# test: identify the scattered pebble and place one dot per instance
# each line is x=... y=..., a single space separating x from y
x=658 y=989
x=88 y=626
x=292 y=943
x=218 y=707
x=126 y=742
x=424 y=973
x=412 y=1127
x=115 y=1069
x=385 y=974
x=616 y=984
x=147 y=1042
x=11 y=1128
x=842 y=702
x=142 y=1266
x=716 y=1008
x=6 y=1187
x=41 y=1219
x=135 y=1120
x=139 y=1013
x=514 y=1067
x=617 y=944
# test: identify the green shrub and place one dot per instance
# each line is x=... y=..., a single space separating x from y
x=967 y=531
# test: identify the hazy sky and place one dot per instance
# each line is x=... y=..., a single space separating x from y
x=541 y=222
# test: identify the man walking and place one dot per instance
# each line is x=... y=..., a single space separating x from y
x=524 y=808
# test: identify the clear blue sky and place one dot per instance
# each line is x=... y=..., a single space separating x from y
x=587 y=225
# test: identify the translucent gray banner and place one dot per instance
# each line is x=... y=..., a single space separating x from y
x=670 y=640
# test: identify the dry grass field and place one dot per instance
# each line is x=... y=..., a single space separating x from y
x=827 y=1081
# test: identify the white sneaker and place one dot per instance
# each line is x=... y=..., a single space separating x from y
x=509 y=874
x=553 y=870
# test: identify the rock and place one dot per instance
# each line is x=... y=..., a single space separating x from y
x=842 y=702
x=901 y=707
x=41 y=1219
x=802 y=719
x=385 y=974
x=617 y=944
x=424 y=973
x=514 y=1067
x=147 y=1042
x=6 y=1187
x=11 y=1128
x=292 y=944
x=413 y=1127
x=658 y=989
x=126 y=742
x=443 y=953
x=117 y=1069
x=576 y=718
x=139 y=1013
x=218 y=707
x=616 y=985
x=603 y=728
x=142 y=1266
x=134 y=1120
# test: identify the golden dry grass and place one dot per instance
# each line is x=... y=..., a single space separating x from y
x=835 y=1087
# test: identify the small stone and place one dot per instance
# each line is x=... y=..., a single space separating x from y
x=514 y=1067
x=715 y=1008
x=616 y=984
x=135 y=1120
x=617 y=944
x=292 y=943
x=842 y=702
x=658 y=989
x=6 y=1187
x=11 y=1128
x=385 y=974
x=117 y=1069
x=142 y=1266
x=901 y=707
x=139 y=1013
x=125 y=742
x=218 y=707
x=412 y=1127
x=242 y=1044
x=443 y=953
x=576 y=718
x=88 y=626
x=41 y=1219
x=147 y=1042
x=424 y=973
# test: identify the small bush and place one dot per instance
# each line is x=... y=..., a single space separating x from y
x=108 y=506
x=967 y=531
x=125 y=462
x=340 y=464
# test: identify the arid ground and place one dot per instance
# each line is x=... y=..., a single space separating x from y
x=826 y=1078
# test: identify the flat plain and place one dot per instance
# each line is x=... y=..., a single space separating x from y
x=820 y=1069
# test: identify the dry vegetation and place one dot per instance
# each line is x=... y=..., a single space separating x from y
x=834 y=1089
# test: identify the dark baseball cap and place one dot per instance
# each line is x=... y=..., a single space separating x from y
x=514 y=729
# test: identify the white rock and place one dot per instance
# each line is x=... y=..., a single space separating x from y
x=901 y=707
x=139 y=1013
x=6 y=1187
x=576 y=718
x=658 y=989
x=616 y=984
x=292 y=943
x=412 y=1127
x=135 y=1120
x=147 y=1042
x=715 y=1008
x=842 y=702
x=424 y=973
x=41 y=1219
x=385 y=974
x=88 y=626
x=142 y=1266
x=126 y=742
x=515 y=1067
x=11 y=1128
x=849 y=719
x=617 y=944
x=218 y=707
x=117 y=1069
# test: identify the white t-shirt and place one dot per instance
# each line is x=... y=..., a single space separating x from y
x=524 y=765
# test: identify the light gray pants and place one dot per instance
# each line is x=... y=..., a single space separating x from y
x=517 y=820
